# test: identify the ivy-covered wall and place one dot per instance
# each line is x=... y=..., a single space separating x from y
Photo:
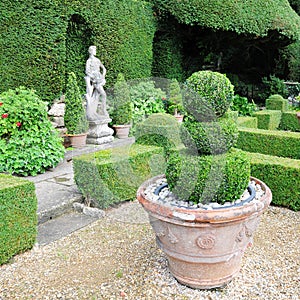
x=42 y=40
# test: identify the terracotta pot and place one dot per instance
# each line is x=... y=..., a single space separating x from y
x=298 y=116
x=204 y=247
x=77 y=140
x=179 y=118
x=122 y=131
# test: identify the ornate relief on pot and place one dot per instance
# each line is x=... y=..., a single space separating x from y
x=206 y=241
x=172 y=238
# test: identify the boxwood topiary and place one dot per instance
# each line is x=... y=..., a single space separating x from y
x=208 y=178
x=213 y=88
x=28 y=142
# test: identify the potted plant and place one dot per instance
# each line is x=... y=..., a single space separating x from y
x=175 y=105
x=122 y=109
x=75 y=116
x=206 y=207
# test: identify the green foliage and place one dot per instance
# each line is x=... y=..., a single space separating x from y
x=18 y=216
x=243 y=106
x=28 y=142
x=282 y=175
x=209 y=137
x=277 y=102
x=249 y=17
x=213 y=88
x=160 y=130
x=147 y=100
x=289 y=121
x=212 y=178
x=175 y=104
x=248 y=122
x=268 y=119
x=114 y=175
x=122 y=107
x=272 y=86
x=42 y=41
x=75 y=115
x=277 y=143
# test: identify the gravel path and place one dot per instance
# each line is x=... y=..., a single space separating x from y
x=116 y=258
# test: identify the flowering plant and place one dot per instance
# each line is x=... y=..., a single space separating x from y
x=28 y=142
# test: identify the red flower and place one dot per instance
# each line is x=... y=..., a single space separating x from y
x=163 y=99
x=19 y=124
x=4 y=116
x=1 y=103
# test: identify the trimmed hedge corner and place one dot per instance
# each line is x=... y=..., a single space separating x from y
x=248 y=122
x=114 y=175
x=277 y=143
x=289 y=121
x=268 y=119
x=277 y=102
x=18 y=217
x=282 y=175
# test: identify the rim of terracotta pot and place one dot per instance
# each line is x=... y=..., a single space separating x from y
x=201 y=215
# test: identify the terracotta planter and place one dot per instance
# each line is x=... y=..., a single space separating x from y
x=179 y=118
x=77 y=140
x=122 y=131
x=204 y=247
x=298 y=116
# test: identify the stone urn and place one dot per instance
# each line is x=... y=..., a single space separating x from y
x=204 y=248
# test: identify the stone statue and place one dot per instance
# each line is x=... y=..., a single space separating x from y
x=95 y=80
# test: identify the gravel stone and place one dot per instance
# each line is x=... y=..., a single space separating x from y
x=116 y=257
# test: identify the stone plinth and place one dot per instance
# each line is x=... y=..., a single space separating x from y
x=99 y=133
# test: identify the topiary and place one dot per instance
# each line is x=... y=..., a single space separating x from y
x=122 y=107
x=208 y=170
x=75 y=115
x=175 y=105
x=214 y=90
x=28 y=142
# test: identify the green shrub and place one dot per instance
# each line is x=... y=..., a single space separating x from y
x=289 y=121
x=160 y=130
x=242 y=106
x=18 y=216
x=248 y=122
x=75 y=115
x=282 y=175
x=147 y=100
x=209 y=137
x=28 y=142
x=277 y=102
x=268 y=119
x=214 y=89
x=114 y=175
x=278 y=143
x=273 y=85
x=175 y=104
x=122 y=106
x=211 y=178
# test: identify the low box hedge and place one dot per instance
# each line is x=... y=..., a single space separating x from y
x=268 y=119
x=277 y=102
x=114 y=175
x=18 y=216
x=248 y=122
x=289 y=121
x=282 y=175
x=271 y=142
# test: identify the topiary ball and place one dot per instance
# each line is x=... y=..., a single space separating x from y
x=214 y=92
x=209 y=137
x=208 y=178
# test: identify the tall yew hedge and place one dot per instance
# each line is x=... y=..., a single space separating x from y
x=42 y=40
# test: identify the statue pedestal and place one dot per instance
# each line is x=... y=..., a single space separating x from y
x=99 y=133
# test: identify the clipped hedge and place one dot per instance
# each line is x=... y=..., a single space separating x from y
x=42 y=40
x=277 y=102
x=282 y=175
x=160 y=130
x=114 y=175
x=278 y=143
x=268 y=119
x=18 y=217
x=289 y=121
x=248 y=122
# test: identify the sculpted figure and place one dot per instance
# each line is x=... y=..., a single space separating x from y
x=95 y=80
